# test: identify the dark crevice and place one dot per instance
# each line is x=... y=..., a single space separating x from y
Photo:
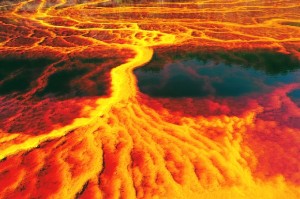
x=84 y=187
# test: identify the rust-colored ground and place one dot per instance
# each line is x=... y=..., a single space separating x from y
x=74 y=124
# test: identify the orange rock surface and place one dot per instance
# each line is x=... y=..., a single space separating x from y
x=122 y=143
